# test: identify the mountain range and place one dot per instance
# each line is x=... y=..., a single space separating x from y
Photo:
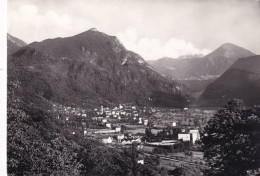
x=196 y=72
x=241 y=80
x=93 y=68
x=90 y=69
x=201 y=68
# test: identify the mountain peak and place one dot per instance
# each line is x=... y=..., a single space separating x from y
x=93 y=30
x=229 y=46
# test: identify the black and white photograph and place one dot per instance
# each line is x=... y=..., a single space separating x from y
x=130 y=87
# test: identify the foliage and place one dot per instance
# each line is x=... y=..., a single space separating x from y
x=166 y=134
x=231 y=140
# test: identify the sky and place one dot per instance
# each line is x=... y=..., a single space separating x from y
x=151 y=28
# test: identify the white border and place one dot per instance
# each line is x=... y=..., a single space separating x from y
x=3 y=86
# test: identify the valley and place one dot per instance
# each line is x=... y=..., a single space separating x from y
x=89 y=96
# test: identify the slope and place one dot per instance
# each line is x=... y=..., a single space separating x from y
x=13 y=44
x=90 y=69
x=241 y=80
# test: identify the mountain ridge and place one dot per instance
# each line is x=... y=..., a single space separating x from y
x=14 y=44
x=94 y=68
x=241 y=80
x=210 y=66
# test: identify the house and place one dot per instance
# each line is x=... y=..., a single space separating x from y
x=140 y=121
x=118 y=129
x=108 y=125
x=145 y=122
x=174 y=124
x=102 y=131
x=108 y=113
x=184 y=136
x=123 y=113
x=104 y=120
x=195 y=135
x=120 y=137
x=140 y=147
x=108 y=140
x=140 y=161
x=136 y=114
x=101 y=109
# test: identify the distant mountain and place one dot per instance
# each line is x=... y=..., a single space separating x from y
x=196 y=87
x=197 y=72
x=201 y=68
x=13 y=44
x=241 y=80
x=91 y=68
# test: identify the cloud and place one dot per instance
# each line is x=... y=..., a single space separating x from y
x=153 y=48
x=34 y=25
x=175 y=27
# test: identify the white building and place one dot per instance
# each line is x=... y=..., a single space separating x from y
x=140 y=121
x=120 y=137
x=195 y=135
x=118 y=129
x=145 y=122
x=102 y=131
x=109 y=140
x=174 y=124
x=184 y=136
x=102 y=110
x=140 y=161
x=136 y=114
x=108 y=125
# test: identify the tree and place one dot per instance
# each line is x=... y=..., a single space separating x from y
x=230 y=140
x=148 y=134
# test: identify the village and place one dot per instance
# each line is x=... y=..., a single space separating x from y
x=166 y=137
